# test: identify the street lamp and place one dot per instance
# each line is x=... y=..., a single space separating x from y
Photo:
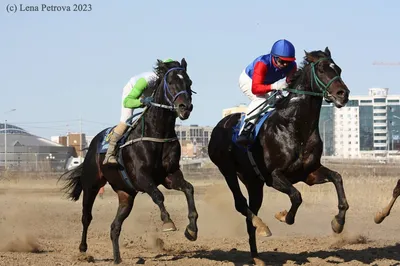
x=50 y=157
x=5 y=139
x=323 y=130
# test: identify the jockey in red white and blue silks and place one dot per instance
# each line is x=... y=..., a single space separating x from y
x=266 y=73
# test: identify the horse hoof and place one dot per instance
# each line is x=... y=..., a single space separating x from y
x=336 y=226
x=168 y=226
x=117 y=261
x=82 y=248
x=258 y=261
x=263 y=231
x=281 y=216
x=379 y=217
x=190 y=235
x=261 y=228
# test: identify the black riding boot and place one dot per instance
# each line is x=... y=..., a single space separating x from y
x=245 y=138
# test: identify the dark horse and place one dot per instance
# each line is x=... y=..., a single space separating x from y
x=150 y=155
x=288 y=148
x=380 y=216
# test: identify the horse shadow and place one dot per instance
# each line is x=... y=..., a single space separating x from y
x=336 y=256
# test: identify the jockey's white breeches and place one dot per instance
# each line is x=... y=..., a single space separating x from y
x=245 y=83
x=125 y=112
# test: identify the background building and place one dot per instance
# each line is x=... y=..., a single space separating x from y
x=368 y=126
x=21 y=150
x=237 y=109
x=76 y=140
x=194 y=140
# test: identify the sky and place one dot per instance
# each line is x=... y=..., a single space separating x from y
x=63 y=71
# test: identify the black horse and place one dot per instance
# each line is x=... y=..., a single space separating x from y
x=149 y=157
x=288 y=148
x=381 y=215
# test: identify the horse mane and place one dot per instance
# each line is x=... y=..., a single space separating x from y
x=160 y=69
x=297 y=78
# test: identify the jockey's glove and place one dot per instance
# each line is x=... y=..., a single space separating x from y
x=279 y=85
x=146 y=101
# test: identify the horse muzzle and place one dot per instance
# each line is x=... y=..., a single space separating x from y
x=339 y=98
x=184 y=111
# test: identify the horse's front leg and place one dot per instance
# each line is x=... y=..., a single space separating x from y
x=282 y=184
x=145 y=182
x=380 y=216
x=177 y=181
x=323 y=175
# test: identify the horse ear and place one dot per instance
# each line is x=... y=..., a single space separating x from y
x=327 y=52
x=309 y=57
x=184 y=64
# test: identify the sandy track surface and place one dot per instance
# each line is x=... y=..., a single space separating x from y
x=38 y=226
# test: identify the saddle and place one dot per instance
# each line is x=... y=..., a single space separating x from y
x=103 y=144
x=259 y=122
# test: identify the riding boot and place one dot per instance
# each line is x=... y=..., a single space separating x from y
x=116 y=135
x=245 y=138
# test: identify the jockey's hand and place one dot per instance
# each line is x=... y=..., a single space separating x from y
x=146 y=101
x=279 y=85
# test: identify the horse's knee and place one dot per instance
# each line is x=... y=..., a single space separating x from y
x=189 y=188
x=175 y=181
x=157 y=196
x=337 y=178
x=86 y=219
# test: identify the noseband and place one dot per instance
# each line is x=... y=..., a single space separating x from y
x=168 y=94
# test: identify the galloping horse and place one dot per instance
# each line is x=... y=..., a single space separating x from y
x=149 y=156
x=380 y=216
x=288 y=148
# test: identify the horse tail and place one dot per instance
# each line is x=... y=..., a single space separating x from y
x=73 y=184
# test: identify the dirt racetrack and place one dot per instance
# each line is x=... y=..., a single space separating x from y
x=38 y=226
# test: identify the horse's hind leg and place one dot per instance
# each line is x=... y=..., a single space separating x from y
x=380 y=216
x=323 y=175
x=240 y=201
x=89 y=195
x=176 y=181
x=255 y=191
x=124 y=209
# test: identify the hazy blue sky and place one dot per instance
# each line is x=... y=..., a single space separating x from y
x=58 y=66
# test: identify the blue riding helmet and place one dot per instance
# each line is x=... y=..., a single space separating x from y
x=284 y=50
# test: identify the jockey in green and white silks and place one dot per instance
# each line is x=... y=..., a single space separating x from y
x=131 y=99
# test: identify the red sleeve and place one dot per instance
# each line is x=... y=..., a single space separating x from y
x=257 y=86
x=291 y=73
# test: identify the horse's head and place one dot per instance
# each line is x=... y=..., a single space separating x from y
x=325 y=75
x=176 y=85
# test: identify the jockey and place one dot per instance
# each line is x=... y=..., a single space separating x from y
x=266 y=73
x=131 y=99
